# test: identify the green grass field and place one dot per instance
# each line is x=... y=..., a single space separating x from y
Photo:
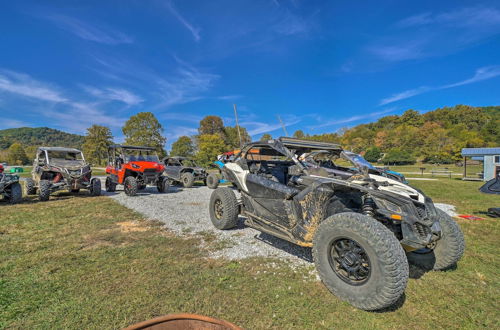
x=88 y=263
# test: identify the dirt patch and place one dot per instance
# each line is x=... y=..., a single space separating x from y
x=131 y=226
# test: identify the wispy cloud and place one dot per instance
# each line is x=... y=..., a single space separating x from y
x=186 y=117
x=194 y=30
x=481 y=74
x=341 y=121
x=114 y=94
x=89 y=32
x=174 y=132
x=23 y=85
x=9 y=123
x=258 y=127
x=436 y=34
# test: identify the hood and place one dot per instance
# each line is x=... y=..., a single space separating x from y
x=395 y=187
x=146 y=165
x=68 y=164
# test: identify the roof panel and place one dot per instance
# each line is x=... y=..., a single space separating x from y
x=480 y=151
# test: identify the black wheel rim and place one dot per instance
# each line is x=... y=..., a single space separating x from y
x=218 y=209
x=349 y=261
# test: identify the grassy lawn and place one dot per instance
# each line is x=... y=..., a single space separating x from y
x=82 y=262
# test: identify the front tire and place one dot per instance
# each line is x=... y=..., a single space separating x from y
x=110 y=185
x=163 y=185
x=44 y=190
x=95 y=187
x=213 y=181
x=360 y=261
x=223 y=208
x=130 y=186
x=187 y=179
x=30 y=186
x=447 y=251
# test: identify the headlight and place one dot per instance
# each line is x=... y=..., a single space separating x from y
x=135 y=166
x=390 y=206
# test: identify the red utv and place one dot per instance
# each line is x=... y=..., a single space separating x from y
x=134 y=168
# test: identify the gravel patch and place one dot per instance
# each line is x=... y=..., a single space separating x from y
x=448 y=208
x=185 y=211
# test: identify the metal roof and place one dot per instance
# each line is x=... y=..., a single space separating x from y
x=467 y=152
x=293 y=142
x=59 y=149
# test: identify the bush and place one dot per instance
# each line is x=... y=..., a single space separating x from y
x=373 y=154
x=398 y=157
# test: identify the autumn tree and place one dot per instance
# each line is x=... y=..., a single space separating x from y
x=143 y=129
x=17 y=155
x=209 y=147
x=299 y=134
x=184 y=147
x=232 y=138
x=97 y=141
x=266 y=137
x=211 y=125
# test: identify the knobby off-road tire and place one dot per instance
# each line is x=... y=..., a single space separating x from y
x=385 y=269
x=187 y=179
x=448 y=250
x=30 y=186
x=95 y=187
x=213 y=181
x=130 y=186
x=223 y=208
x=44 y=190
x=110 y=185
x=163 y=185
x=16 y=193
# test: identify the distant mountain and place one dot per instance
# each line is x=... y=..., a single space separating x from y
x=39 y=136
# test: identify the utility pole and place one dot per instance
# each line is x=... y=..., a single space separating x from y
x=237 y=125
x=283 y=126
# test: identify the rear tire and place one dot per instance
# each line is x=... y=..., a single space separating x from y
x=360 y=261
x=448 y=250
x=163 y=185
x=223 y=208
x=213 y=181
x=16 y=193
x=95 y=187
x=110 y=185
x=44 y=190
x=30 y=186
x=130 y=186
x=187 y=179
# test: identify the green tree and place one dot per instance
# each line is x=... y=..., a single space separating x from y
x=299 y=134
x=183 y=147
x=266 y=137
x=144 y=129
x=232 y=138
x=17 y=155
x=412 y=118
x=398 y=157
x=95 y=146
x=211 y=125
x=209 y=147
x=373 y=154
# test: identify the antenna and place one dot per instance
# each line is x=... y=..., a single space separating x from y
x=237 y=125
x=283 y=126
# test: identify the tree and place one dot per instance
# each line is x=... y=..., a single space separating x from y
x=232 y=138
x=97 y=141
x=398 y=157
x=299 y=134
x=209 y=147
x=183 y=147
x=144 y=129
x=17 y=155
x=211 y=125
x=373 y=154
x=412 y=118
x=266 y=137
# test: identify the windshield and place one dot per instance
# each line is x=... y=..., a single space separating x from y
x=65 y=157
x=140 y=155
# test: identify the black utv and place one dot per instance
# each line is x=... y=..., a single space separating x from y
x=57 y=168
x=10 y=188
x=184 y=170
x=363 y=228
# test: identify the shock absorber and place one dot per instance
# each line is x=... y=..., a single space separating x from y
x=368 y=206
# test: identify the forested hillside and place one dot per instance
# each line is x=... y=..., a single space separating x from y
x=435 y=136
x=39 y=136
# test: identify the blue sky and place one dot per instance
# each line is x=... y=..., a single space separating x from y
x=320 y=65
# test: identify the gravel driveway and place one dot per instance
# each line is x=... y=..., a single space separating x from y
x=186 y=211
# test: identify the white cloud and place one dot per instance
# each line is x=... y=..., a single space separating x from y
x=91 y=33
x=194 y=30
x=352 y=119
x=481 y=74
x=257 y=127
x=11 y=123
x=114 y=94
x=23 y=85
